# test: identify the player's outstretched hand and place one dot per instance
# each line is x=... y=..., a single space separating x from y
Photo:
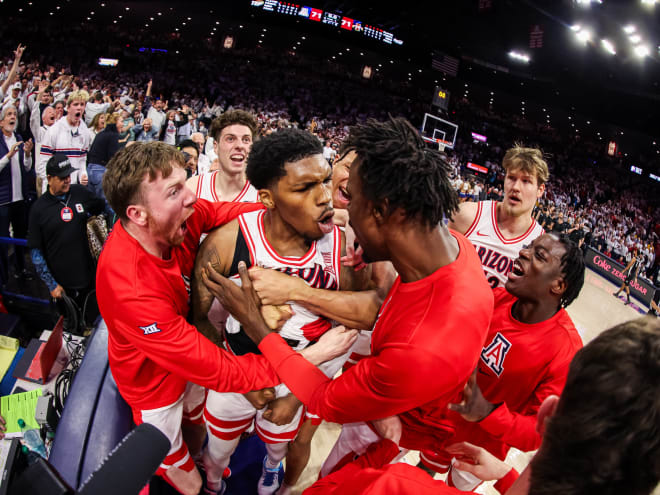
x=478 y=461
x=282 y=411
x=333 y=343
x=242 y=302
x=389 y=428
x=275 y=287
x=474 y=406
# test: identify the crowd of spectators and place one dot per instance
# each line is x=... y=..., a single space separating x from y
x=586 y=187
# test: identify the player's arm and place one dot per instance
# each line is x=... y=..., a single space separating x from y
x=217 y=249
x=354 y=309
x=176 y=346
x=464 y=217
x=519 y=430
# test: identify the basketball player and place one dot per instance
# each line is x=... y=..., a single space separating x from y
x=295 y=235
x=593 y=442
x=525 y=358
x=429 y=331
x=499 y=230
x=233 y=134
x=631 y=271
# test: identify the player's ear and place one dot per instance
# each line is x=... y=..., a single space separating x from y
x=266 y=198
x=379 y=211
x=540 y=191
x=558 y=286
x=137 y=214
x=546 y=411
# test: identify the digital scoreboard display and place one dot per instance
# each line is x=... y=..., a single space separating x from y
x=326 y=17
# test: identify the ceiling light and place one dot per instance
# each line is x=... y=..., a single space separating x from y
x=521 y=57
x=635 y=38
x=641 y=51
x=577 y=27
x=629 y=29
x=583 y=35
x=608 y=46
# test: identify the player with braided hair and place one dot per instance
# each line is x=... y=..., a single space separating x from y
x=436 y=314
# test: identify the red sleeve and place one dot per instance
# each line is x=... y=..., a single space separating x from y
x=519 y=430
x=376 y=387
x=177 y=346
x=505 y=483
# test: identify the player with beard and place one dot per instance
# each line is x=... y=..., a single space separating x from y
x=233 y=134
x=69 y=136
x=436 y=314
x=295 y=235
x=499 y=230
x=525 y=358
x=143 y=276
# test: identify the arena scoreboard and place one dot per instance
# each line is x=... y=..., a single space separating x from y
x=328 y=18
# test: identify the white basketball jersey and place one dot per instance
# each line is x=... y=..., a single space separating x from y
x=206 y=190
x=497 y=253
x=319 y=268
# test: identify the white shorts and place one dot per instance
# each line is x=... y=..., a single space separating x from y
x=168 y=420
x=229 y=414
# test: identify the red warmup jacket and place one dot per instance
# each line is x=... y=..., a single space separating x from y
x=426 y=343
x=152 y=350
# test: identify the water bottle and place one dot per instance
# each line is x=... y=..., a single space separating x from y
x=32 y=439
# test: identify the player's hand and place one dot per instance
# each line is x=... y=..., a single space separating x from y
x=18 y=53
x=3 y=427
x=83 y=179
x=57 y=292
x=276 y=316
x=389 y=428
x=477 y=461
x=353 y=254
x=260 y=398
x=275 y=287
x=282 y=411
x=14 y=148
x=332 y=344
x=474 y=406
x=242 y=302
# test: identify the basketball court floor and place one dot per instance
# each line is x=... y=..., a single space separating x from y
x=592 y=312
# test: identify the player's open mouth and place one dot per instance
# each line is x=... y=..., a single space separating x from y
x=77 y=115
x=237 y=158
x=325 y=221
x=184 y=227
x=343 y=194
x=517 y=271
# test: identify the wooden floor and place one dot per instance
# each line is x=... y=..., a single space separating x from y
x=594 y=310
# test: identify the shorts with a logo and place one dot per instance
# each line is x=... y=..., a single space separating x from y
x=168 y=420
x=229 y=414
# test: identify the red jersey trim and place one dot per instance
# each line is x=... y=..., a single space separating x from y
x=213 y=193
x=271 y=251
x=243 y=192
x=475 y=222
x=493 y=212
x=200 y=184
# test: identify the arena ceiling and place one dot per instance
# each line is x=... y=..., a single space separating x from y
x=580 y=77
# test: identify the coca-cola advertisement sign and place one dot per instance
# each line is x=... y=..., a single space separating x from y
x=640 y=289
